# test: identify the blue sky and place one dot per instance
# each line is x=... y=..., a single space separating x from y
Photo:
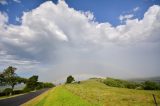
x=83 y=38
x=104 y=10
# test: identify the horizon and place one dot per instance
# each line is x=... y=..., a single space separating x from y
x=83 y=38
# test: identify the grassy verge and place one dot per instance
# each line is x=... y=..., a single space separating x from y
x=58 y=96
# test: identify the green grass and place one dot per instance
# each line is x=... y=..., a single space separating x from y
x=58 y=96
x=94 y=93
x=98 y=93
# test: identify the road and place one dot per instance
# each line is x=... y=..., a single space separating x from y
x=18 y=100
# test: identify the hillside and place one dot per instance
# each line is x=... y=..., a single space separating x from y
x=94 y=93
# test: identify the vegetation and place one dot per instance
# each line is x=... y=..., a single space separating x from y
x=32 y=83
x=44 y=85
x=9 y=77
x=70 y=79
x=147 y=85
x=93 y=92
x=59 y=96
x=8 y=91
x=121 y=83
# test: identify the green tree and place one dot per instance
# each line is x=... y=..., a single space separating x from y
x=32 y=83
x=10 y=77
x=48 y=85
x=2 y=80
x=70 y=79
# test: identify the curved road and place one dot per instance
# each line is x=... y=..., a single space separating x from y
x=18 y=100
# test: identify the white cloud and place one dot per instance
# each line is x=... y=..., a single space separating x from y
x=17 y=1
x=3 y=2
x=136 y=9
x=55 y=34
x=77 y=27
x=3 y=19
x=125 y=17
x=17 y=19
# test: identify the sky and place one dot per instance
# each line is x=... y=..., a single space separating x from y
x=83 y=38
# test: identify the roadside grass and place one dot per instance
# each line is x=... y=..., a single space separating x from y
x=5 y=97
x=58 y=96
x=96 y=92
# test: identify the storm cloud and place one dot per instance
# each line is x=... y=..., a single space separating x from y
x=54 y=40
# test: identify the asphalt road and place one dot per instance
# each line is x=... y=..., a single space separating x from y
x=18 y=100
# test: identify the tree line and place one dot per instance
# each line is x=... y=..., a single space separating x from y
x=9 y=78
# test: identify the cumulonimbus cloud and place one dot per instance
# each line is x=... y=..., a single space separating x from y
x=52 y=26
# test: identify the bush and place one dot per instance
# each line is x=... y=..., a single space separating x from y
x=133 y=85
x=70 y=79
x=7 y=91
x=17 y=92
x=44 y=85
x=121 y=83
x=115 y=82
x=26 y=89
x=40 y=85
x=2 y=94
x=148 y=85
x=48 y=85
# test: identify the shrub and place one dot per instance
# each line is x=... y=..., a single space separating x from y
x=7 y=91
x=121 y=83
x=115 y=82
x=48 y=85
x=17 y=92
x=70 y=79
x=26 y=89
x=2 y=94
x=79 y=82
x=133 y=85
x=148 y=85
x=41 y=85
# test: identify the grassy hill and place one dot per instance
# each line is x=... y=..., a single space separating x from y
x=94 y=93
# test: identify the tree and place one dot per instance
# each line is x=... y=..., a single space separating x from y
x=10 y=77
x=70 y=79
x=2 y=80
x=42 y=85
x=32 y=83
x=48 y=85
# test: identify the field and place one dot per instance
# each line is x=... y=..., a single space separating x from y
x=94 y=93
